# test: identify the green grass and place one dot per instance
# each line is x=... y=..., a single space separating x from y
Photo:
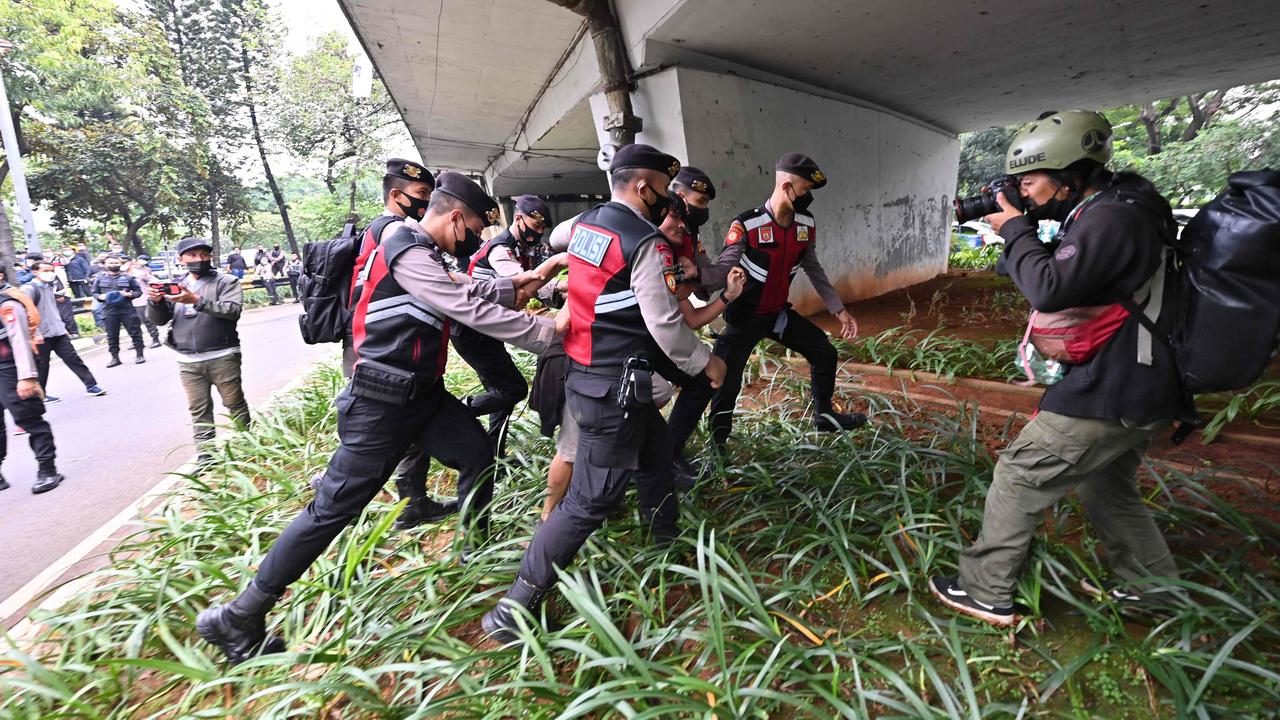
x=796 y=590
x=975 y=258
x=935 y=352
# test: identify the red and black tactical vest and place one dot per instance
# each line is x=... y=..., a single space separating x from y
x=771 y=259
x=480 y=267
x=390 y=325
x=368 y=241
x=607 y=325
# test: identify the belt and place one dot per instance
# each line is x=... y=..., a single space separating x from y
x=613 y=371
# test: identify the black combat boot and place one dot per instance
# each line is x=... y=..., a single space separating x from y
x=47 y=478
x=115 y=360
x=500 y=622
x=4 y=484
x=661 y=522
x=832 y=421
x=239 y=627
x=139 y=359
x=421 y=508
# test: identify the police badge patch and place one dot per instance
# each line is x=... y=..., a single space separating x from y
x=802 y=233
x=766 y=235
x=735 y=235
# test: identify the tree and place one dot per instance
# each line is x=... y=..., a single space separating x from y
x=1192 y=172
x=982 y=158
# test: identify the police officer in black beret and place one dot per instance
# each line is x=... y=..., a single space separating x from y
x=507 y=254
x=410 y=300
x=626 y=323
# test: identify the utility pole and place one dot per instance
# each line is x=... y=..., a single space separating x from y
x=10 y=137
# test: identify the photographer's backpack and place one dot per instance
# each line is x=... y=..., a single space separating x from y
x=328 y=268
x=1229 y=324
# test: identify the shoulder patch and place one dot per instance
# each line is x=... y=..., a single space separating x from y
x=802 y=233
x=736 y=233
x=1066 y=252
x=590 y=244
x=766 y=235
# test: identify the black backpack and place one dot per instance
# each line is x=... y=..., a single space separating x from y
x=324 y=286
x=1228 y=326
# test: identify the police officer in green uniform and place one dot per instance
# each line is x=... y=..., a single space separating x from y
x=625 y=322
x=1094 y=424
x=410 y=300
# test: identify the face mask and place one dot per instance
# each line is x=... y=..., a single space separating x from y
x=802 y=203
x=200 y=268
x=416 y=209
x=528 y=236
x=46 y=277
x=696 y=217
x=67 y=253
x=657 y=210
x=468 y=245
x=113 y=268
x=1052 y=209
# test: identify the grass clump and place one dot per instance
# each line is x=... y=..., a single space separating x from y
x=796 y=590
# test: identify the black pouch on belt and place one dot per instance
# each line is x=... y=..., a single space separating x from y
x=378 y=381
x=636 y=386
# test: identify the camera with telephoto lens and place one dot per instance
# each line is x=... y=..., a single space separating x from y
x=984 y=203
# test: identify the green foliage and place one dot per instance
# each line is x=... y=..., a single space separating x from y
x=1191 y=173
x=796 y=590
x=982 y=158
x=934 y=352
x=975 y=258
x=1252 y=404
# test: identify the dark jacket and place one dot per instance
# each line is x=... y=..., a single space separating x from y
x=104 y=283
x=1103 y=255
x=213 y=324
x=235 y=261
x=78 y=267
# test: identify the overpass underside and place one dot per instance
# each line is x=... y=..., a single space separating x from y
x=875 y=90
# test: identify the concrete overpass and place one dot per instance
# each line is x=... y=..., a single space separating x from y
x=875 y=90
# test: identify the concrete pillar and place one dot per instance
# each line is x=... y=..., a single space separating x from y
x=884 y=216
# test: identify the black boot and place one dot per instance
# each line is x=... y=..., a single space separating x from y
x=155 y=341
x=661 y=522
x=139 y=359
x=47 y=478
x=239 y=627
x=115 y=360
x=832 y=421
x=421 y=509
x=4 y=484
x=500 y=622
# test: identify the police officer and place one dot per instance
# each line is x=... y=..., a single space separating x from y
x=507 y=254
x=625 y=321
x=695 y=188
x=771 y=243
x=116 y=291
x=396 y=396
x=20 y=391
x=406 y=192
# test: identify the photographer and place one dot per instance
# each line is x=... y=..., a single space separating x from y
x=1095 y=423
x=204 y=312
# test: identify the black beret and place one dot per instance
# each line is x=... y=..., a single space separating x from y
x=644 y=157
x=409 y=170
x=696 y=180
x=804 y=166
x=534 y=207
x=191 y=243
x=460 y=186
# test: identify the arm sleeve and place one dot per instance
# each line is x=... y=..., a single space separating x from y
x=160 y=313
x=661 y=312
x=712 y=277
x=559 y=240
x=818 y=278
x=225 y=301
x=1079 y=272
x=476 y=304
x=15 y=322
x=502 y=263
x=135 y=287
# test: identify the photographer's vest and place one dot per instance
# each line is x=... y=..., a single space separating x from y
x=480 y=267
x=607 y=325
x=391 y=326
x=771 y=258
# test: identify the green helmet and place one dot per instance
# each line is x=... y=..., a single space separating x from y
x=1057 y=139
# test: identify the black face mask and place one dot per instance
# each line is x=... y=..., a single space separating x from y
x=803 y=202
x=657 y=210
x=528 y=236
x=696 y=217
x=200 y=268
x=113 y=269
x=1052 y=209
x=468 y=245
x=416 y=209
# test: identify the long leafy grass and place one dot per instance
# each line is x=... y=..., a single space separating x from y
x=796 y=590
x=936 y=352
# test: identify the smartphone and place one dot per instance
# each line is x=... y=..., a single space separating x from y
x=169 y=288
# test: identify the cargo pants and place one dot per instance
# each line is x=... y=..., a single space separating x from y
x=1053 y=455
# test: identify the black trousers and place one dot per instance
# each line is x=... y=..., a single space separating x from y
x=372 y=438
x=734 y=346
x=270 y=285
x=61 y=346
x=27 y=414
x=503 y=382
x=293 y=285
x=114 y=319
x=152 y=330
x=67 y=313
x=80 y=288
x=614 y=448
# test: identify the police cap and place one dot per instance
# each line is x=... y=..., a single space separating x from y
x=697 y=181
x=409 y=170
x=644 y=157
x=463 y=188
x=192 y=243
x=533 y=206
x=804 y=166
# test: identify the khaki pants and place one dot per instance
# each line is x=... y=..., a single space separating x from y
x=1053 y=455
x=198 y=378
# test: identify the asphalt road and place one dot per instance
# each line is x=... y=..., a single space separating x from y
x=114 y=448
